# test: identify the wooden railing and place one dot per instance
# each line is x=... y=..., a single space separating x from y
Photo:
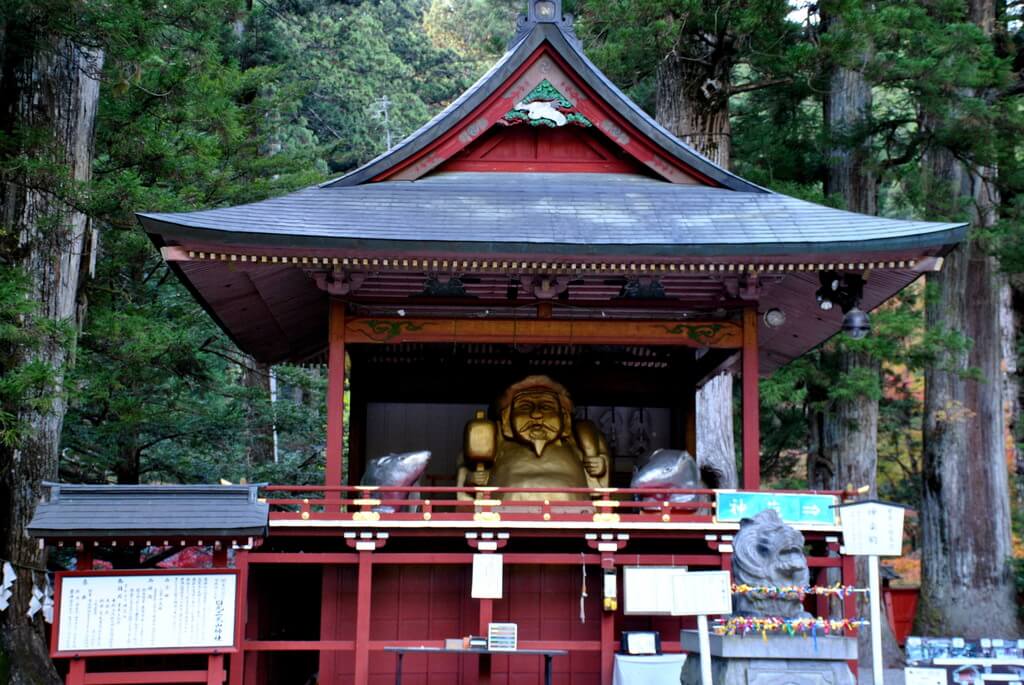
x=372 y=503
x=484 y=504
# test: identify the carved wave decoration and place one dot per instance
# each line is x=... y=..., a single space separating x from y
x=704 y=333
x=384 y=330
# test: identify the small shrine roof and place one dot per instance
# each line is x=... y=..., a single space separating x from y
x=105 y=511
x=569 y=213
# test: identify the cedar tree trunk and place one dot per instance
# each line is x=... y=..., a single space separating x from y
x=967 y=585
x=967 y=579
x=847 y=107
x=49 y=90
x=692 y=101
x=854 y=421
x=716 y=447
x=256 y=378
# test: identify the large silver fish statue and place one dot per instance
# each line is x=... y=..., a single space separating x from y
x=666 y=469
x=396 y=469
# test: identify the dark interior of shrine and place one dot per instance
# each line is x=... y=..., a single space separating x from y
x=642 y=397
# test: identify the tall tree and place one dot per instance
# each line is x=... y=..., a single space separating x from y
x=49 y=89
x=680 y=59
x=159 y=393
x=697 y=49
x=967 y=581
x=850 y=428
x=716 y=445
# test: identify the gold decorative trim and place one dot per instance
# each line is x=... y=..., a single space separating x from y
x=366 y=502
x=487 y=517
x=606 y=518
x=515 y=267
x=366 y=516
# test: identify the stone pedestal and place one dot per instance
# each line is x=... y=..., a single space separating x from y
x=779 y=660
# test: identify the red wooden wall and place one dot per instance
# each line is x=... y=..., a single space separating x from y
x=531 y=148
x=413 y=603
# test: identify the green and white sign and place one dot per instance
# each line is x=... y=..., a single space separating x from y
x=793 y=508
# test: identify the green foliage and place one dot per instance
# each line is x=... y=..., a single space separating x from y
x=157 y=390
x=628 y=39
x=341 y=59
x=478 y=30
x=26 y=382
x=212 y=106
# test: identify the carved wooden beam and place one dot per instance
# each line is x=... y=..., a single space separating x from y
x=715 y=334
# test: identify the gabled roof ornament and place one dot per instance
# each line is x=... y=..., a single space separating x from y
x=544 y=12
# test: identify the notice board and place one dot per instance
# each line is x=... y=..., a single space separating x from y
x=112 y=612
x=648 y=590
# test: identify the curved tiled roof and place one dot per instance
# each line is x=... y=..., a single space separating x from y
x=681 y=210
x=586 y=213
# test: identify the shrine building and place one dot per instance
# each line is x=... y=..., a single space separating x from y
x=541 y=225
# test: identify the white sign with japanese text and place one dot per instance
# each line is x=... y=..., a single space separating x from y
x=487 y=576
x=702 y=592
x=872 y=528
x=147 y=612
x=648 y=589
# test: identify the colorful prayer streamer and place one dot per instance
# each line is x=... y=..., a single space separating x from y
x=796 y=591
x=805 y=627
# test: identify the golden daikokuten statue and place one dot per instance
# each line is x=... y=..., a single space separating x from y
x=536 y=444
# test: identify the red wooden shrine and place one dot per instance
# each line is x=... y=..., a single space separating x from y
x=543 y=223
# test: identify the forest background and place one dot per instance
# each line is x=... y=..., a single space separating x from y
x=112 y=373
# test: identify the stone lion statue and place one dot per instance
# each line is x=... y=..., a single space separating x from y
x=769 y=554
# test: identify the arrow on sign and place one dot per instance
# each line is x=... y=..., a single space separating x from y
x=812 y=509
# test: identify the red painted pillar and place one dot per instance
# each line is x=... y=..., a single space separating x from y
x=751 y=403
x=76 y=672
x=484 y=661
x=215 y=669
x=850 y=578
x=850 y=601
x=726 y=559
x=363 y=590
x=821 y=602
x=335 y=393
x=608 y=627
x=236 y=664
x=329 y=606
x=83 y=558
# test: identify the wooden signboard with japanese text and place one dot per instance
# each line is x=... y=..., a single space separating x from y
x=145 y=612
